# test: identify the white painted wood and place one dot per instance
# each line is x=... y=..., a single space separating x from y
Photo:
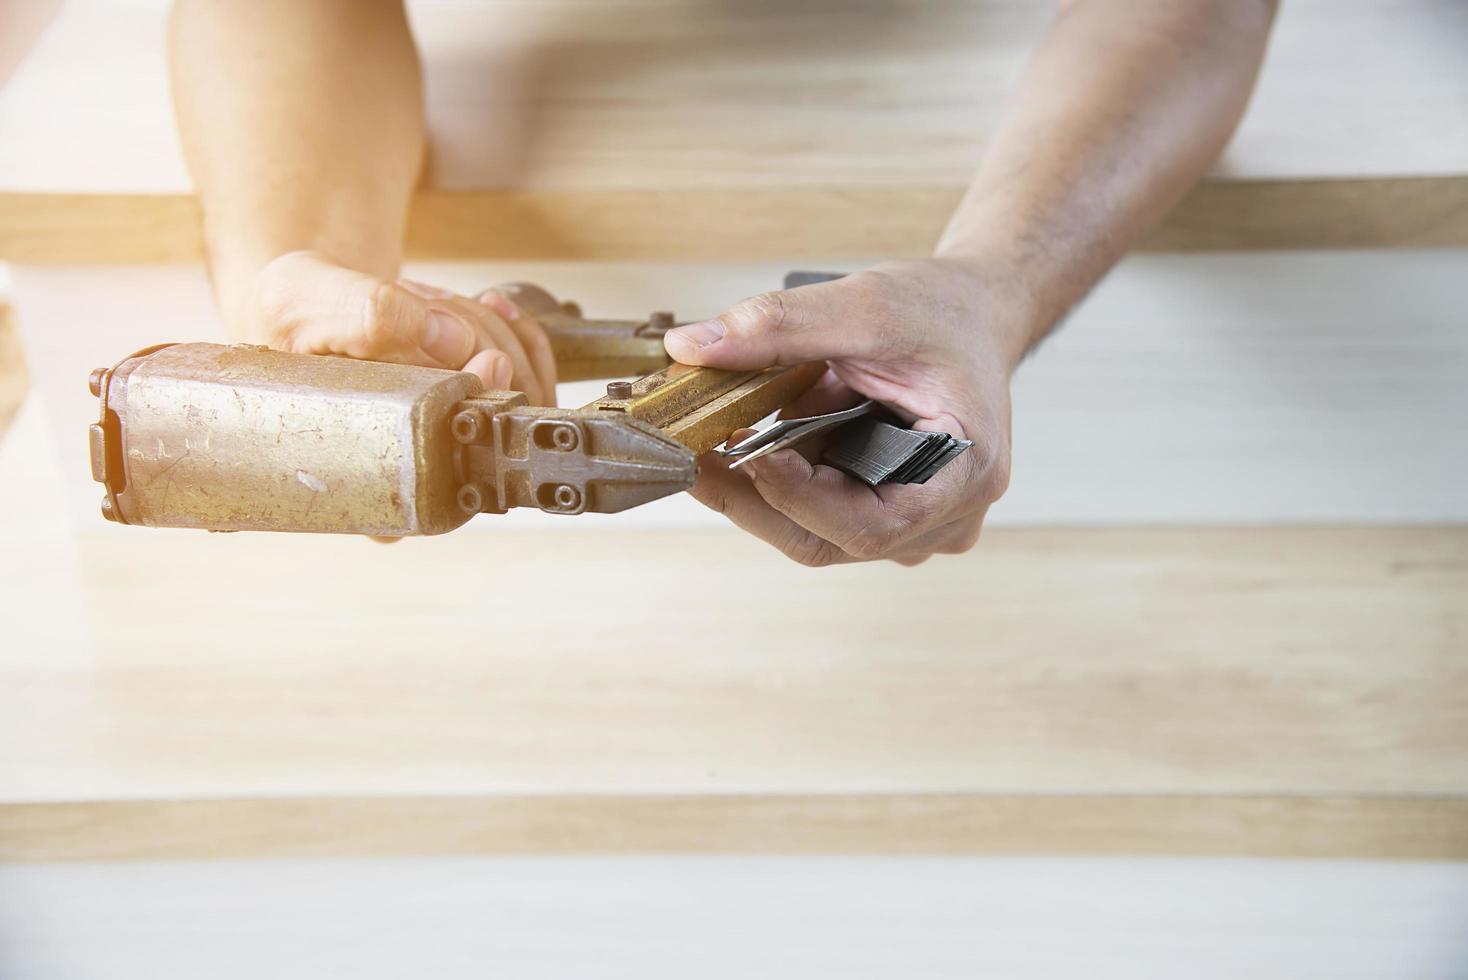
x=679 y=93
x=1304 y=388
x=739 y=917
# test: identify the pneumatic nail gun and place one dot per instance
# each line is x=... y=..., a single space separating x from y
x=244 y=438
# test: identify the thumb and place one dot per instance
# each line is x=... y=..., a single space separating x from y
x=789 y=326
x=323 y=308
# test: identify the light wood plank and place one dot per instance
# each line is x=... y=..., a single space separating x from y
x=691 y=107
x=1114 y=662
x=770 y=223
x=658 y=94
x=1298 y=827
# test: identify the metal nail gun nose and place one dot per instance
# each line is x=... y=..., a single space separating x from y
x=244 y=438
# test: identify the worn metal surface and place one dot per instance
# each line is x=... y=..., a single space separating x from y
x=247 y=438
x=566 y=461
x=586 y=349
x=671 y=393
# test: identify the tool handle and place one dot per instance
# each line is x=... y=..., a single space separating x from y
x=585 y=349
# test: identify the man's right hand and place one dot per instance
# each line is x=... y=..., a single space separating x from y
x=306 y=303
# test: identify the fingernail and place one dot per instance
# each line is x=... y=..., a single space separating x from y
x=424 y=290
x=501 y=374
x=699 y=334
x=500 y=303
x=445 y=337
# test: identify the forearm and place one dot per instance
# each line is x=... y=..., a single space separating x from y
x=1123 y=106
x=302 y=124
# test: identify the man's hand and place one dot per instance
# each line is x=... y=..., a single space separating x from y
x=305 y=161
x=1123 y=106
x=929 y=339
x=304 y=302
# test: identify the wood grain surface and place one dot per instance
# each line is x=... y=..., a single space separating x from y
x=812 y=130
x=682 y=94
x=1297 y=827
x=1241 y=662
x=766 y=223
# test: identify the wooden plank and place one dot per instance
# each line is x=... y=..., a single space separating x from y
x=1313 y=827
x=752 y=224
x=1233 y=661
x=679 y=94
x=99 y=228
x=1318 y=214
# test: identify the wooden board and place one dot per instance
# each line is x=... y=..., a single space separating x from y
x=681 y=94
x=808 y=223
x=1114 y=662
x=213 y=829
x=1137 y=690
x=790 y=129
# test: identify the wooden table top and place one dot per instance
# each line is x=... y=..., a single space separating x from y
x=1269 y=690
x=1055 y=690
x=830 y=129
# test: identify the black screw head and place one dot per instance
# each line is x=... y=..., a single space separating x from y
x=619 y=389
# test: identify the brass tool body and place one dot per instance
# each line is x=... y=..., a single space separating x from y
x=234 y=438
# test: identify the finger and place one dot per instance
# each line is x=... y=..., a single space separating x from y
x=733 y=496
x=790 y=326
x=494 y=368
x=865 y=522
x=496 y=333
x=441 y=336
x=953 y=538
x=308 y=304
x=532 y=337
x=426 y=291
x=737 y=436
x=530 y=298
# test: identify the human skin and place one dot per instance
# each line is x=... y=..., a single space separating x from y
x=302 y=123
x=303 y=126
x=1123 y=106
